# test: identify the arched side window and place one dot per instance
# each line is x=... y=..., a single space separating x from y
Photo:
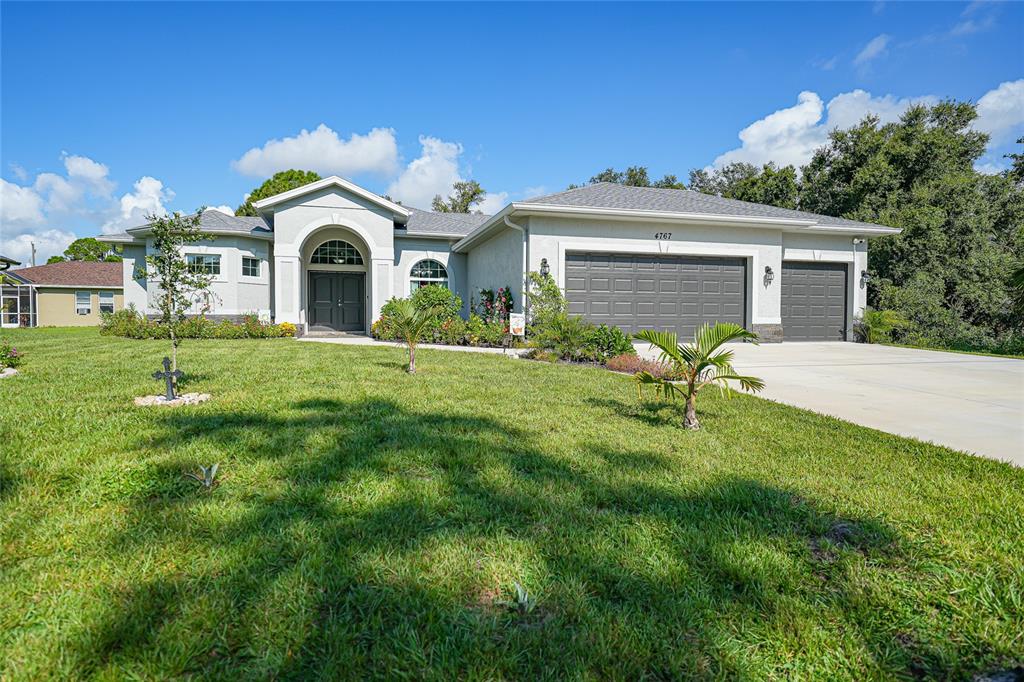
x=336 y=252
x=427 y=272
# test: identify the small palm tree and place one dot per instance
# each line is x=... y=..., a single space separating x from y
x=698 y=364
x=875 y=326
x=409 y=323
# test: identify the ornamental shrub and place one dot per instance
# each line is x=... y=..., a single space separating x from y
x=130 y=323
x=605 y=342
x=631 y=363
x=440 y=297
x=9 y=355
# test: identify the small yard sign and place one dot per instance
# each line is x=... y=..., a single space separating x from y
x=517 y=324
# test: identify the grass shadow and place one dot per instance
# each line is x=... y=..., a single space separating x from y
x=383 y=525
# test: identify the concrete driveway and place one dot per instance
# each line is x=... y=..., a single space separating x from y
x=972 y=403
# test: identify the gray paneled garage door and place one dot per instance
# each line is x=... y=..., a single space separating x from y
x=671 y=293
x=813 y=301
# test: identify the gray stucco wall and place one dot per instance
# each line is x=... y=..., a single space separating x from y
x=411 y=250
x=498 y=262
x=232 y=293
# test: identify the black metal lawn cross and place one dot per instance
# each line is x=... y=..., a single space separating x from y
x=168 y=376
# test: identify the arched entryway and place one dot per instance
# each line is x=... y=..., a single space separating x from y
x=336 y=271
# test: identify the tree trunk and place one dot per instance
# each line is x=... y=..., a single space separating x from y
x=690 y=421
x=412 y=359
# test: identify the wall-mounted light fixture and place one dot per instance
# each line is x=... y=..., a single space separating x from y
x=545 y=269
x=769 y=275
x=865 y=277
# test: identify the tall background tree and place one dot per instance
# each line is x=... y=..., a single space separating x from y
x=464 y=195
x=948 y=273
x=280 y=182
x=87 y=249
x=168 y=269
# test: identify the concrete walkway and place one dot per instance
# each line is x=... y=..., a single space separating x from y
x=359 y=340
x=972 y=403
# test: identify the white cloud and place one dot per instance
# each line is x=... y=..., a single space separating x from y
x=223 y=209
x=19 y=205
x=790 y=136
x=434 y=172
x=147 y=199
x=90 y=173
x=875 y=48
x=324 y=152
x=1001 y=111
x=48 y=243
x=492 y=203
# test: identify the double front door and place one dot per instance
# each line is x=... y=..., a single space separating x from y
x=336 y=301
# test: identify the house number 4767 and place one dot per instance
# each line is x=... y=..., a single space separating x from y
x=663 y=235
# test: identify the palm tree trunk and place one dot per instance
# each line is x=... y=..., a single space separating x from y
x=690 y=420
x=412 y=359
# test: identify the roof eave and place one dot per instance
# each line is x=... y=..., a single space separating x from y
x=267 y=203
x=786 y=224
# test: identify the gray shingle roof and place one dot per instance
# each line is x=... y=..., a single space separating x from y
x=428 y=222
x=215 y=221
x=614 y=196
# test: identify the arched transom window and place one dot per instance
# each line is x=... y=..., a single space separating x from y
x=427 y=272
x=336 y=252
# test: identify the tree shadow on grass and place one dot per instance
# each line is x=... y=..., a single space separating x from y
x=383 y=540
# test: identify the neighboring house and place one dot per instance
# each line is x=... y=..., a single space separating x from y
x=71 y=293
x=328 y=255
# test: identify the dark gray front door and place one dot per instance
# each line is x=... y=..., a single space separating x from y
x=813 y=301
x=336 y=301
x=670 y=293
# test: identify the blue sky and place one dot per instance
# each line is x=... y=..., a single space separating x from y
x=112 y=110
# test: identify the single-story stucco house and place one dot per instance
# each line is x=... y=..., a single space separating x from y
x=326 y=256
x=68 y=294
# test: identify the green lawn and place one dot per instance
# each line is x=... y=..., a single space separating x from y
x=371 y=524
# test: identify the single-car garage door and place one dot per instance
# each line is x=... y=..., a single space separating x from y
x=670 y=293
x=813 y=301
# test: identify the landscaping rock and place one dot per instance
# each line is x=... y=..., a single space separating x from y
x=8 y=372
x=183 y=399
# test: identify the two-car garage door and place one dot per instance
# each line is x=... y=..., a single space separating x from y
x=670 y=293
x=679 y=293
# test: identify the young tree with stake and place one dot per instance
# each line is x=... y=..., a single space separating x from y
x=168 y=268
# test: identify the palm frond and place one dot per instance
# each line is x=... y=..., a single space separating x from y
x=708 y=338
x=666 y=342
x=747 y=383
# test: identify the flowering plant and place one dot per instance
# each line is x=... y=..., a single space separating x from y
x=495 y=306
x=9 y=355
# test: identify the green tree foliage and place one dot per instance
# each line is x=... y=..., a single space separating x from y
x=280 y=182
x=87 y=249
x=634 y=176
x=746 y=182
x=167 y=268
x=948 y=272
x=410 y=323
x=462 y=198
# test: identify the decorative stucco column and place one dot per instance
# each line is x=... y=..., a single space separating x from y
x=380 y=282
x=288 y=289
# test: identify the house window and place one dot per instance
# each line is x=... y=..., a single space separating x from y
x=336 y=252
x=250 y=267
x=205 y=264
x=106 y=301
x=83 y=302
x=427 y=272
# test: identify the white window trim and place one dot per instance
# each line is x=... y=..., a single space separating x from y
x=259 y=267
x=79 y=307
x=113 y=303
x=432 y=280
x=220 y=263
